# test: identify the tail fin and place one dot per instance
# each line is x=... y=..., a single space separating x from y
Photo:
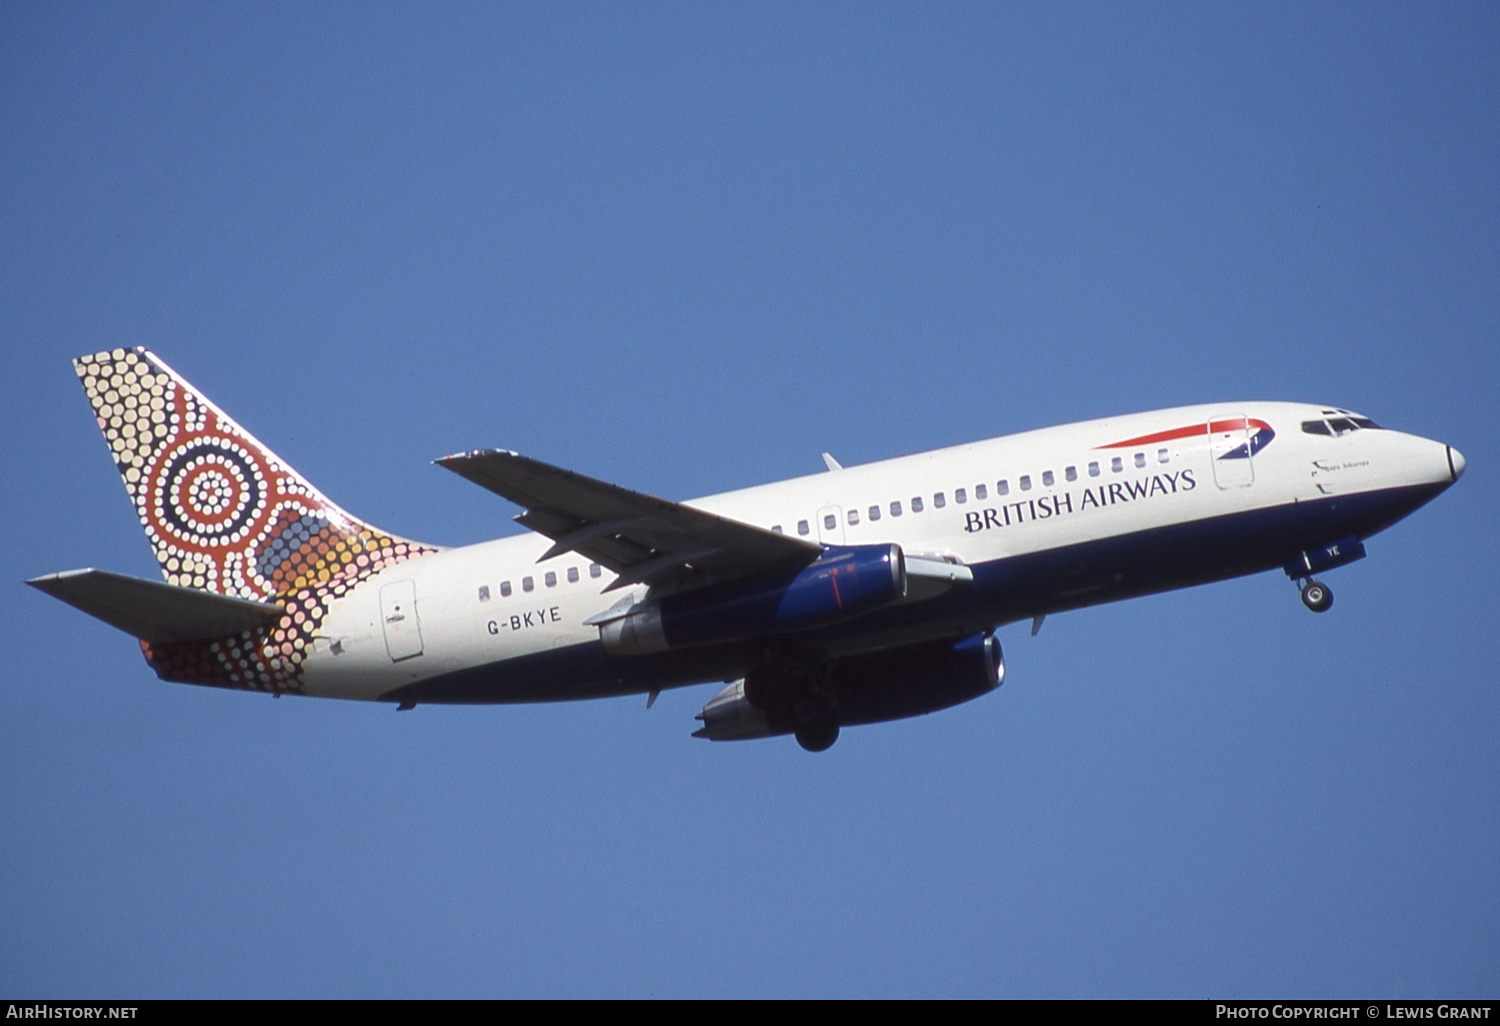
x=222 y=511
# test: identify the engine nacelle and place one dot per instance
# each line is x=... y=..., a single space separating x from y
x=873 y=688
x=845 y=581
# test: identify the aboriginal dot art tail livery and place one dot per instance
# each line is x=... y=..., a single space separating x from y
x=225 y=515
x=863 y=594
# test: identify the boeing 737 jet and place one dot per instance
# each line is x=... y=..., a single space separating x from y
x=858 y=595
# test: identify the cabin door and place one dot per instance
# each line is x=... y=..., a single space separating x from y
x=1229 y=450
x=831 y=525
x=398 y=614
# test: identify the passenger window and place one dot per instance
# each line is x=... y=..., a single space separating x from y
x=853 y=517
x=874 y=513
x=938 y=501
x=895 y=507
x=1117 y=464
x=1002 y=487
x=594 y=570
x=527 y=584
x=1047 y=478
x=551 y=578
x=572 y=575
x=484 y=593
x=505 y=589
x=1162 y=456
x=1025 y=482
x=981 y=492
x=777 y=529
x=1093 y=469
x=830 y=521
x=1071 y=473
x=916 y=504
x=960 y=495
x=802 y=527
x=1140 y=459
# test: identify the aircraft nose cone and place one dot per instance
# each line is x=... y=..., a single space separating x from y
x=1456 y=463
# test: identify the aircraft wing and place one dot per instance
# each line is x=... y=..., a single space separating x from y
x=641 y=538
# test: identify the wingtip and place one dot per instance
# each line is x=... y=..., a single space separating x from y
x=452 y=459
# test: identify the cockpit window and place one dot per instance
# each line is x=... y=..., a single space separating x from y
x=1338 y=423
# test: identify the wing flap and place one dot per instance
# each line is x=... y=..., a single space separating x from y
x=154 y=611
x=640 y=537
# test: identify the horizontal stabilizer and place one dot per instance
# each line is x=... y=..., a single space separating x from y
x=153 y=611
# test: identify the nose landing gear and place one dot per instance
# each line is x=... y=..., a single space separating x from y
x=1317 y=596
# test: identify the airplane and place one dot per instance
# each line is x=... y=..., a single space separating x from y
x=857 y=595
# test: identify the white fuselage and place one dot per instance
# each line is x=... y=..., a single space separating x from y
x=991 y=504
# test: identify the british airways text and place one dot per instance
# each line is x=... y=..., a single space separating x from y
x=1097 y=496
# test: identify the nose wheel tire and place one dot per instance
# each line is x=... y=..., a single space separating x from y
x=1316 y=596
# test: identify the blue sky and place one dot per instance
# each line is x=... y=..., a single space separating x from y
x=687 y=248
